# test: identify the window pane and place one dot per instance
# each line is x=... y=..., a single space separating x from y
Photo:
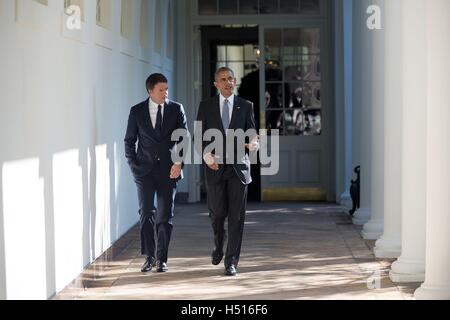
x=104 y=9
x=272 y=40
x=235 y=53
x=311 y=95
x=313 y=123
x=250 y=53
x=294 y=93
x=144 y=25
x=273 y=72
x=310 y=41
x=221 y=53
x=293 y=70
x=158 y=27
x=268 y=6
x=126 y=18
x=227 y=6
x=274 y=96
x=248 y=6
x=311 y=68
x=299 y=122
x=207 y=7
x=309 y=6
x=250 y=67
x=292 y=49
x=295 y=122
x=274 y=120
x=307 y=68
x=289 y=6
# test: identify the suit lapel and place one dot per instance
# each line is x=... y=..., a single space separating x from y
x=216 y=114
x=236 y=109
x=147 y=119
x=166 y=115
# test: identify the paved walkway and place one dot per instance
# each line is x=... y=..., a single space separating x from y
x=289 y=251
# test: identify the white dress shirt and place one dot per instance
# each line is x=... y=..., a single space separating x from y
x=153 y=107
x=230 y=104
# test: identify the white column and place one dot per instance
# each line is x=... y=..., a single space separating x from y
x=374 y=96
x=410 y=266
x=339 y=68
x=389 y=245
x=347 y=38
x=437 y=272
x=361 y=138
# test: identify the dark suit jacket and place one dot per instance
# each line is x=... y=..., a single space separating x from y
x=151 y=149
x=242 y=118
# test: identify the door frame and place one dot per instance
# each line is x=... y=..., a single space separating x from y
x=189 y=58
x=328 y=112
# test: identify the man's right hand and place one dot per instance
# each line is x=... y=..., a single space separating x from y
x=210 y=160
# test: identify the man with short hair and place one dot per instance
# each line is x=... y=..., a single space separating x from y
x=226 y=183
x=151 y=124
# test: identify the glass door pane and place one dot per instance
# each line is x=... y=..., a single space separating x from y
x=293 y=81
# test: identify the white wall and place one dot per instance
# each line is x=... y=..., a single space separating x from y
x=66 y=192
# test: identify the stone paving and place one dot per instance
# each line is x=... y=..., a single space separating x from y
x=289 y=251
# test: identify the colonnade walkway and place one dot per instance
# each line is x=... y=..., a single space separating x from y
x=289 y=251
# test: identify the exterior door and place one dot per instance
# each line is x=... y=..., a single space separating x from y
x=296 y=102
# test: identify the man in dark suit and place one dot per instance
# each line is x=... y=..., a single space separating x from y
x=226 y=184
x=151 y=124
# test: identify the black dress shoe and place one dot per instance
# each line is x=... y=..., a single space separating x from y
x=216 y=257
x=148 y=264
x=161 y=267
x=230 y=271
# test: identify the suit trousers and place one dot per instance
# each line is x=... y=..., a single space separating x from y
x=228 y=198
x=156 y=217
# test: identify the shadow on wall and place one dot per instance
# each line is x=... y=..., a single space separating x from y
x=60 y=206
x=66 y=190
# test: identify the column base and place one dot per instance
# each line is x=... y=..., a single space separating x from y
x=346 y=200
x=405 y=270
x=426 y=292
x=362 y=215
x=373 y=230
x=388 y=248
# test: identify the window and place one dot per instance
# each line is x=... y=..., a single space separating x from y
x=158 y=27
x=126 y=26
x=104 y=13
x=223 y=7
x=78 y=3
x=293 y=81
x=143 y=34
x=207 y=7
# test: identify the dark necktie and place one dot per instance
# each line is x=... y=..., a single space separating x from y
x=158 y=126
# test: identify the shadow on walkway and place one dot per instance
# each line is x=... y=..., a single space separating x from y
x=289 y=251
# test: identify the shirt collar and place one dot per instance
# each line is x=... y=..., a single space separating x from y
x=154 y=104
x=230 y=100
